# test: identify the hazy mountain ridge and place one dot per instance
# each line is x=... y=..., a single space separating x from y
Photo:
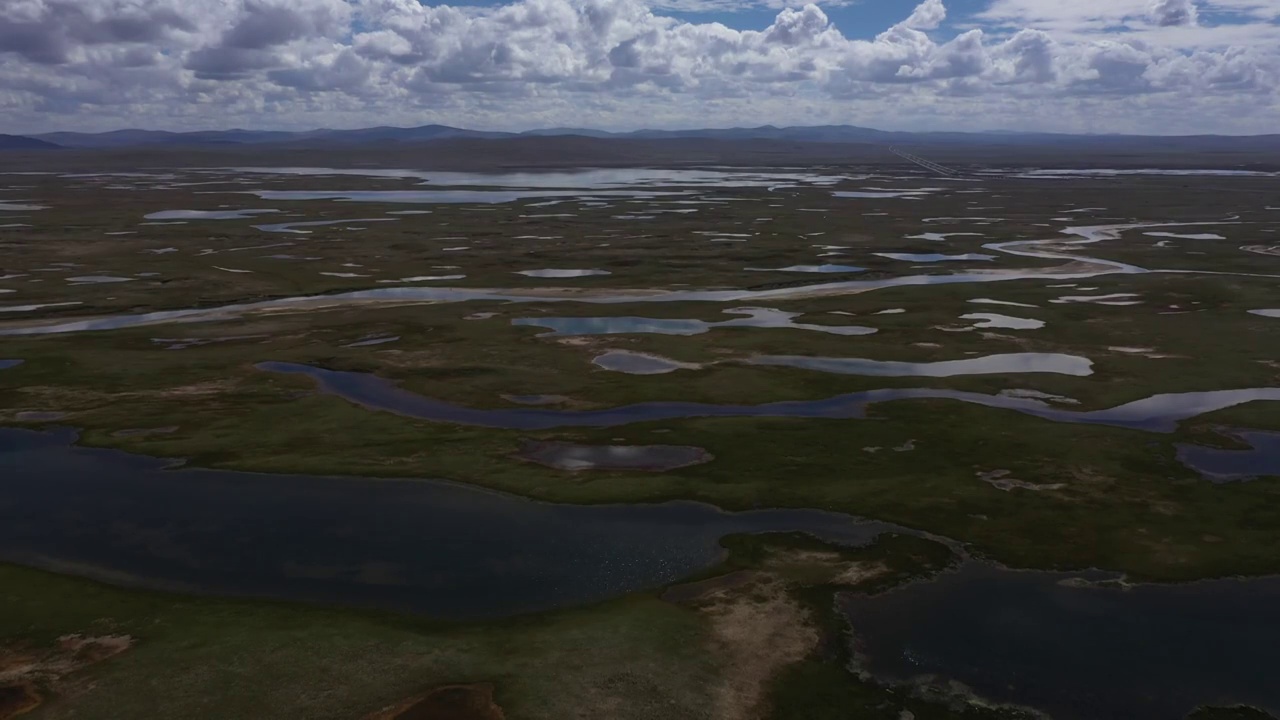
x=22 y=142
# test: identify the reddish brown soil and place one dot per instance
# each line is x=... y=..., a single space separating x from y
x=22 y=669
x=17 y=699
x=450 y=702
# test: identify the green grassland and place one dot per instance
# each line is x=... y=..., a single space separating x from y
x=638 y=657
x=1126 y=503
x=1099 y=496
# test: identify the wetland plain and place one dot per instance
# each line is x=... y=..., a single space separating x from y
x=722 y=440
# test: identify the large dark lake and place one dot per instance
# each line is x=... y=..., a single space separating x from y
x=451 y=551
x=420 y=546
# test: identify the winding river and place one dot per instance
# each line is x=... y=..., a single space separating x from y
x=1157 y=413
x=1079 y=267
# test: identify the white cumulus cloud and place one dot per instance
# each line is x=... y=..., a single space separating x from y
x=1096 y=65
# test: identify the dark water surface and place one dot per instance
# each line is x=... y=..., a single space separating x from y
x=447 y=550
x=427 y=547
x=1080 y=653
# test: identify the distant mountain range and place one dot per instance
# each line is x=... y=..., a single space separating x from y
x=821 y=133
x=20 y=142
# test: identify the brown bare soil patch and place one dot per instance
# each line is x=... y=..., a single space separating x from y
x=1000 y=480
x=212 y=387
x=411 y=358
x=17 y=699
x=581 y=341
x=758 y=627
x=23 y=670
x=450 y=702
x=52 y=396
x=858 y=573
x=73 y=400
x=86 y=651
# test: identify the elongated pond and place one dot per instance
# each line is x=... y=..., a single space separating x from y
x=623 y=325
x=984 y=365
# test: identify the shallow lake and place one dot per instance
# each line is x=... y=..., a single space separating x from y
x=619 y=325
x=985 y=365
x=366 y=342
x=292 y=227
x=1219 y=465
x=634 y=363
x=207 y=214
x=450 y=196
x=586 y=178
x=996 y=320
x=1157 y=413
x=96 y=279
x=827 y=268
x=933 y=257
x=562 y=272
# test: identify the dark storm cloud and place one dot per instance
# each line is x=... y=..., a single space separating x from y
x=48 y=32
x=1166 y=13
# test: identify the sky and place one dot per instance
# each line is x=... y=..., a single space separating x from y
x=1080 y=66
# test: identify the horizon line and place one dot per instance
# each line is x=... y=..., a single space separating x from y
x=577 y=130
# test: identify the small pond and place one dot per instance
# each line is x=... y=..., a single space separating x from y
x=571 y=456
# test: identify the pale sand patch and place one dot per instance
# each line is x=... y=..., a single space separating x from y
x=758 y=628
x=857 y=573
x=212 y=387
x=758 y=633
x=1000 y=480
